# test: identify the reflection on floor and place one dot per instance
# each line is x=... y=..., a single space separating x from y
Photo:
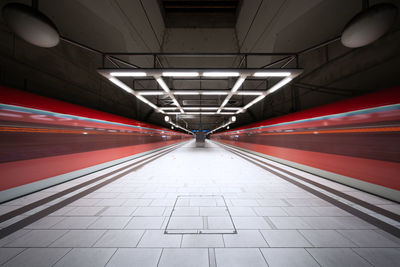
x=123 y=223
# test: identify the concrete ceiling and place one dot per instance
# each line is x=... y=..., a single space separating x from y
x=331 y=72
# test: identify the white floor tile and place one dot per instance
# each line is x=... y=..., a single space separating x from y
x=110 y=223
x=285 y=238
x=157 y=239
x=245 y=238
x=189 y=257
x=84 y=211
x=37 y=238
x=380 y=256
x=145 y=223
x=149 y=211
x=135 y=257
x=38 y=257
x=8 y=253
x=289 y=223
x=270 y=211
x=326 y=238
x=239 y=257
x=280 y=257
x=333 y=257
x=368 y=238
x=78 y=238
x=185 y=223
x=120 y=238
x=86 y=257
x=251 y=223
x=202 y=240
x=75 y=223
x=118 y=211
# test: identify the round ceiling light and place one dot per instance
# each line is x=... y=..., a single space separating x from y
x=31 y=25
x=369 y=25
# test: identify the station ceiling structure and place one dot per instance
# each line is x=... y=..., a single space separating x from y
x=308 y=49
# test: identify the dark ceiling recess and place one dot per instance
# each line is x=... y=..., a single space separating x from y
x=206 y=13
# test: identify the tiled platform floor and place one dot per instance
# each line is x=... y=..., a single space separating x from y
x=122 y=224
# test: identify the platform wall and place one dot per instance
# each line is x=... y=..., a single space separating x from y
x=355 y=142
x=42 y=138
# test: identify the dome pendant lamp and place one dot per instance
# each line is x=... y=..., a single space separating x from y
x=30 y=24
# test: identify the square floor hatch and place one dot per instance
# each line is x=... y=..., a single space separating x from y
x=200 y=214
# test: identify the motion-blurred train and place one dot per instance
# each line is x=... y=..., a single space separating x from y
x=355 y=141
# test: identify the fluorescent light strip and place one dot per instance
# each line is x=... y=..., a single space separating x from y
x=141 y=98
x=128 y=74
x=236 y=87
x=185 y=93
x=225 y=102
x=173 y=113
x=180 y=127
x=129 y=90
x=279 y=85
x=151 y=93
x=254 y=101
x=231 y=108
x=180 y=74
x=200 y=113
x=166 y=89
x=271 y=74
x=222 y=126
x=249 y=93
x=238 y=83
x=271 y=90
x=163 y=84
x=209 y=108
x=169 y=108
x=175 y=102
x=221 y=74
x=215 y=93
x=121 y=85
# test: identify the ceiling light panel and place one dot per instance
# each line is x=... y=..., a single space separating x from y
x=271 y=74
x=220 y=74
x=128 y=74
x=151 y=93
x=286 y=74
x=249 y=93
x=163 y=85
x=180 y=74
x=186 y=92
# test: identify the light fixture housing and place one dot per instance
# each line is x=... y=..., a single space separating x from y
x=220 y=74
x=31 y=25
x=180 y=74
x=128 y=74
x=369 y=25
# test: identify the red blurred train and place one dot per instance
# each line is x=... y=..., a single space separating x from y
x=45 y=141
x=355 y=141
